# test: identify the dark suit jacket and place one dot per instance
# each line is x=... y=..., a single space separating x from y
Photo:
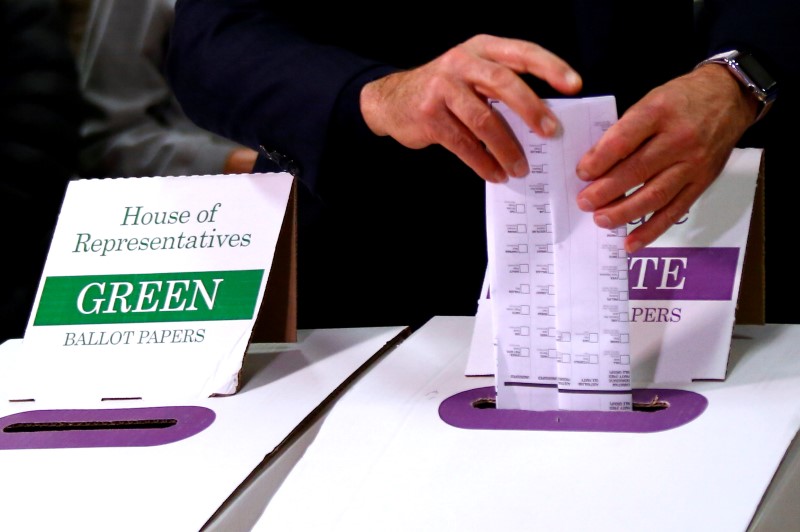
x=391 y=235
x=41 y=110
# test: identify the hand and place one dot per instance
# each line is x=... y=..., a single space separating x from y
x=446 y=102
x=240 y=161
x=675 y=142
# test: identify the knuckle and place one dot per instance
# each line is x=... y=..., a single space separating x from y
x=482 y=120
x=657 y=196
x=427 y=112
x=428 y=99
x=638 y=169
x=671 y=216
x=657 y=102
x=454 y=59
x=660 y=224
x=616 y=147
x=498 y=77
x=478 y=39
x=462 y=143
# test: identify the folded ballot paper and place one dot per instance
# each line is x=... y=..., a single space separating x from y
x=566 y=319
x=559 y=283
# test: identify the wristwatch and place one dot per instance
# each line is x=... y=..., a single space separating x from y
x=749 y=72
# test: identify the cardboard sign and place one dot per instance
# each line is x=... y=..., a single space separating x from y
x=685 y=286
x=152 y=286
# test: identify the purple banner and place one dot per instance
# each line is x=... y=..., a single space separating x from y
x=690 y=274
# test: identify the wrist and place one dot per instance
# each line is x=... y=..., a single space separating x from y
x=744 y=103
x=369 y=101
x=755 y=82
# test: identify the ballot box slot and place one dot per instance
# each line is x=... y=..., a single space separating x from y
x=91 y=425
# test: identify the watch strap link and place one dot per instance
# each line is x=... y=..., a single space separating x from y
x=750 y=74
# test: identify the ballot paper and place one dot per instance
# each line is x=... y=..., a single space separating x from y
x=558 y=283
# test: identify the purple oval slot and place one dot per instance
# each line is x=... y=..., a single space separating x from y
x=113 y=427
x=459 y=410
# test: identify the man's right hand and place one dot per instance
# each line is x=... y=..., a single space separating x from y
x=446 y=101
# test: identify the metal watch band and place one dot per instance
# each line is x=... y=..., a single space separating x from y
x=750 y=74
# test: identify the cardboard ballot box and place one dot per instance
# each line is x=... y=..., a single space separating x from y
x=140 y=465
x=414 y=445
x=129 y=404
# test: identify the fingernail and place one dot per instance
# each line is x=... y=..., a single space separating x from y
x=500 y=177
x=521 y=168
x=549 y=126
x=633 y=246
x=601 y=220
x=582 y=174
x=572 y=78
x=585 y=205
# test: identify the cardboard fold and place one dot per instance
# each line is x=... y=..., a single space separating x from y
x=751 y=305
x=277 y=317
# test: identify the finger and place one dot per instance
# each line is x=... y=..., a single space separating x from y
x=525 y=56
x=457 y=138
x=618 y=142
x=659 y=194
x=647 y=162
x=662 y=220
x=494 y=81
x=496 y=77
x=490 y=128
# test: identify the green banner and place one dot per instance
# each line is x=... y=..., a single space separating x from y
x=149 y=298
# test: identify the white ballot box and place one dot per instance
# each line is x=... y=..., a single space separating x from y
x=138 y=465
x=414 y=445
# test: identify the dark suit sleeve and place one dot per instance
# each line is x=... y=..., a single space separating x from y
x=40 y=116
x=241 y=71
x=768 y=29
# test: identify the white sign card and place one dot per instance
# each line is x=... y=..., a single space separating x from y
x=152 y=286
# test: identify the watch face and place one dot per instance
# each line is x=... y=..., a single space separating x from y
x=757 y=74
